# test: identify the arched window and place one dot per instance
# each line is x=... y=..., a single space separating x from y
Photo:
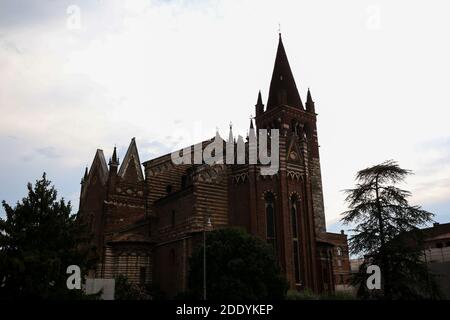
x=270 y=219
x=295 y=237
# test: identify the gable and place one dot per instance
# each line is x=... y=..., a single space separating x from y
x=131 y=169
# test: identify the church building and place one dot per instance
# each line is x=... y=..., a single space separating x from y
x=147 y=217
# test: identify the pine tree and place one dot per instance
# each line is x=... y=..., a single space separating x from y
x=39 y=239
x=387 y=234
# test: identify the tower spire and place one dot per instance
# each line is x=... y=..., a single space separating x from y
x=310 y=103
x=230 y=134
x=85 y=177
x=259 y=102
x=259 y=106
x=113 y=163
x=283 y=90
x=114 y=160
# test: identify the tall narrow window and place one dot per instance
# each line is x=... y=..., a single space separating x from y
x=295 y=237
x=270 y=219
x=294 y=219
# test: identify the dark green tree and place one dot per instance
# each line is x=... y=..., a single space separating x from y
x=387 y=234
x=126 y=290
x=238 y=266
x=39 y=239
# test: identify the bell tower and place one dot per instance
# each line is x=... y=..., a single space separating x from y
x=285 y=111
x=298 y=202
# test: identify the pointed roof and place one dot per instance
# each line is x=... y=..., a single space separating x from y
x=230 y=133
x=259 y=102
x=114 y=160
x=86 y=175
x=97 y=173
x=283 y=90
x=131 y=165
x=309 y=102
x=252 y=131
x=99 y=167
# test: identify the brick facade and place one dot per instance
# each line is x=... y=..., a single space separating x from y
x=146 y=224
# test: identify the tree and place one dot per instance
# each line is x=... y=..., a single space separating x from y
x=39 y=239
x=387 y=233
x=126 y=290
x=238 y=266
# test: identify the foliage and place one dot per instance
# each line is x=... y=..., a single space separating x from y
x=337 y=296
x=38 y=241
x=305 y=294
x=154 y=291
x=126 y=290
x=238 y=266
x=387 y=233
x=308 y=294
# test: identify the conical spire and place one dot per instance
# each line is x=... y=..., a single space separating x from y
x=113 y=163
x=85 y=177
x=251 y=124
x=310 y=103
x=283 y=90
x=230 y=134
x=259 y=106
x=259 y=102
x=114 y=159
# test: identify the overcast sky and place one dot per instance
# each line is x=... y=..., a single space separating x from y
x=80 y=75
